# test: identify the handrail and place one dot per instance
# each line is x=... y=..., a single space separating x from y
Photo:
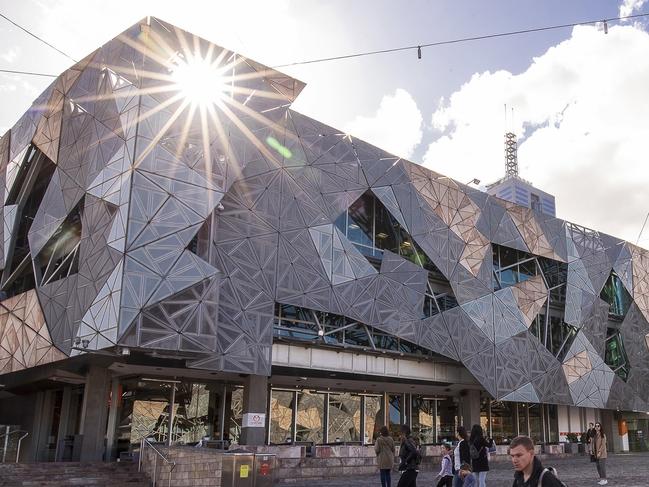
x=144 y=442
x=20 y=440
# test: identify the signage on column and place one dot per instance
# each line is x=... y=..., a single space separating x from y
x=254 y=420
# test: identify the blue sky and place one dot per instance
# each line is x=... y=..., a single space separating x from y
x=578 y=94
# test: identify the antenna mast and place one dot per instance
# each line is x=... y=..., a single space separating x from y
x=511 y=154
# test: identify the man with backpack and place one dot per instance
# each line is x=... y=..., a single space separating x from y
x=528 y=469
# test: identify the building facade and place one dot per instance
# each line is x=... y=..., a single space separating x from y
x=185 y=259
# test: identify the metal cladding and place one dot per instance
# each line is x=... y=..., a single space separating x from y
x=190 y=223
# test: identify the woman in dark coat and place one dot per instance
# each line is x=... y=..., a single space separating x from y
x=479 y=450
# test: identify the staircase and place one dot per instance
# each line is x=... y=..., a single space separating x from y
x=96 y=474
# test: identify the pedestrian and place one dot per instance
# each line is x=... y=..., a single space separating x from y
x=589 y=437
x=478 y=448
x=600 y=452
x=467 y=477
x=384 y=448
x=529 y=471
x=461 y=455
x=409 y=459
x=446 y=470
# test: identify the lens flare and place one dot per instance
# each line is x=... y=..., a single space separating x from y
x=199 y=81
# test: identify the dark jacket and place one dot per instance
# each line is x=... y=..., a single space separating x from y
x=481 y=464
x=408 y=454
x=549 y=480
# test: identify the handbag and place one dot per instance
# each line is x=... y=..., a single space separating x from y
x=593 y=458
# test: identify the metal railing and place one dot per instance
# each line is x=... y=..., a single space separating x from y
x=6 y=443
x=144 y=443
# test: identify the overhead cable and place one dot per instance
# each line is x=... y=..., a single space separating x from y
x=37 y=37
x=419 y=47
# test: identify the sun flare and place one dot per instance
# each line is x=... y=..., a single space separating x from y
x=200 y=81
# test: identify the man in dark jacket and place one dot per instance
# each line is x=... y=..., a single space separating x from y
x=529 y=471
x=409 y=457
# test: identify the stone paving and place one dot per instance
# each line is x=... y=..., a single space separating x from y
x=625 y=470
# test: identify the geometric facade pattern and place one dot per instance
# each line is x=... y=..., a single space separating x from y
x=194 y=222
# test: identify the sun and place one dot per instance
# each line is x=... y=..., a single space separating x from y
x=200 y=81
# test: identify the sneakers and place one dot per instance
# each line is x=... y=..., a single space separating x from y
x=603 y=482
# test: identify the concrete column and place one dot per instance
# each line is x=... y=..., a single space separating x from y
x=255 y=395
x=64 y=420
x=95 y=413
x=113 y=418
x=470 y=408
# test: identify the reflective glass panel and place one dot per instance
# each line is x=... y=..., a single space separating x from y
x=310 y=417
x=373 y=417
x=503 y=425
x=423 y=419
x=344 y=417
x=536 y=425
x=281 y=416
x=395 y=413
x=236 y=415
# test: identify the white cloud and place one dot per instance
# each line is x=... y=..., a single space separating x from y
x=628 y=7
x=582 y=110
x=395 y=127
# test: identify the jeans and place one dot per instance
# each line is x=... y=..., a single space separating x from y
x=457 y=481
x=385 y=477
x=482 y=479
x=601 y=467
x=408 y=479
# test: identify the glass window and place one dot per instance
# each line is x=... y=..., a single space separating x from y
x=503 y=425
x=522 y=418
x=236 y=414
x=447 y=420
x=373 y=417
x=552 y=422
x=423 y=419
x=616 y=296
x=395 y=413
x=191 y=420
x=310 y=417
x=535 y=422
x=281 y=416
x=344 y=417
x=615 y=356
x=484 y=415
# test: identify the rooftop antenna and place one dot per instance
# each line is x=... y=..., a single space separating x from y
x=511 y=150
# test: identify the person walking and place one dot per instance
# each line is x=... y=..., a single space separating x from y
x=409 y=459
x=600 y=452
x=590 y=434
x=461 y=455
x=529 y=471
x=446 y=470
x=384 y=448
x=478 y=448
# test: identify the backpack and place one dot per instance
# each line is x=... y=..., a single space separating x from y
x=552 y=471
x=474 y=452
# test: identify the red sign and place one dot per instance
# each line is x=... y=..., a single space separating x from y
x=264 y=469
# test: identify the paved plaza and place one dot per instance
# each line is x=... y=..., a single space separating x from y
x=628 y=470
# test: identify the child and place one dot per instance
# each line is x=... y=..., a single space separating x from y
x=467 y=477
x=445 y=472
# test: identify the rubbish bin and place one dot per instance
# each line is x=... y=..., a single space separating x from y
x=265 y=469
x=238 y=469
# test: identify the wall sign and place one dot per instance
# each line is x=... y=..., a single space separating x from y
x=254 y=420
